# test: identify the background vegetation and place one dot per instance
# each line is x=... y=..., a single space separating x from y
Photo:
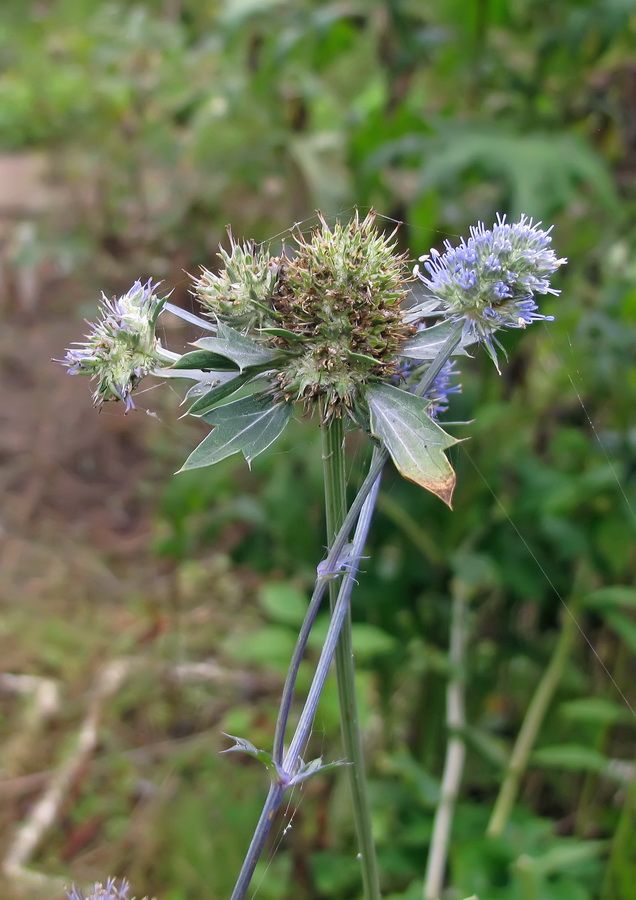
x=155 y=124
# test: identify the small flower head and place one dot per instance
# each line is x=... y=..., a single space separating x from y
x=443 y=385
x=110 y=892
x=242 y=291
x=438 y=392
x=121 y=347
x=490 y=280
x=340 y=297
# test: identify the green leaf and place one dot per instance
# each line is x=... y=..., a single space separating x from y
x=415 y=442
x=241 y=350
x=427 y=343
x=624 y=627
x=219 y=392
x=610 y=597
x=206 y=361
x=594 y=711
x=248 y=425
x=572 y=757
x=283 y=602
x=314 y=767
x=370 y=641
x=270 y=645
x=263 y=756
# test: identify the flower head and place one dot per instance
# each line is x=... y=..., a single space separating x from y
x=339 y=299
x=490 y=280
x=442 y=386
x=121 y=347
x=99 y=892
x=241 y=293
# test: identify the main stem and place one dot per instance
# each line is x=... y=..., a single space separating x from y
x=336 y=507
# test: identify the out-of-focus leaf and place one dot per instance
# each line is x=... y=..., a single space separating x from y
x=283 y=602
x=595 y=711
x=370 y=641
x=611 y=597
x=572 y=757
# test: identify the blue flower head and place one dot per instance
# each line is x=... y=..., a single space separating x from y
x=490 y=280
x=112 y=891
x=121 y=347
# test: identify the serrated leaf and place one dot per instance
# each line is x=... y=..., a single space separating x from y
x=208 y=401
x=427 y=343
x=314 y=767
x=416 y=443
x=241 y=350
x=263 y=756
x=205 y=360
x=248 y=425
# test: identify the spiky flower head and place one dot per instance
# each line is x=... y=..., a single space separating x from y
x=490 y=280
x=121 y=347
x=112 y=891
x=240 y=294
x=338 y=307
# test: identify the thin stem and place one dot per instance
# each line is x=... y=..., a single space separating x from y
x=273 y=802
x=531 y=724
x=456 y=747
x=338 y=618
x=335 y=502
x=377 y=463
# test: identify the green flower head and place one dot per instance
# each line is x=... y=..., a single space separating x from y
x=339 y=298
x=121 y=348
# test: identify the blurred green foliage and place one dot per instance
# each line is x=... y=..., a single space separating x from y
x=174 y=117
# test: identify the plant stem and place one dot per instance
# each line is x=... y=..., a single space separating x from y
x=274 y=800
x=531 y=724
x=303 y=730
x=377 y=463
x=455 y=749
x=338 y=618
x=335 y=501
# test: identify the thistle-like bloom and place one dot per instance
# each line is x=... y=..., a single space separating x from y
x=490 y=280
x=339 y=300
x=110 y=892
x=243 y=289
x=121 y=347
